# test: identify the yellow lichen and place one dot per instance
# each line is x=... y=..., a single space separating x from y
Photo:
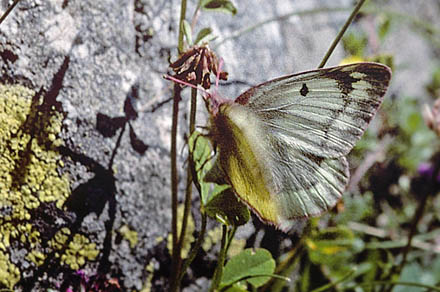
x=148 y=285
x=9 y=274
x=79 y=249
x=130 y=235
x=28 y=172
x=60 y=238
x=28 y=166
x=36 y=257
x=212 y=237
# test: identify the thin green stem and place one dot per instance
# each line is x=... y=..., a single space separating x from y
x=341 y=33
x=180 y=45
x=221 y=260
x=3 y=17
x=331 y=285
x=230 y=237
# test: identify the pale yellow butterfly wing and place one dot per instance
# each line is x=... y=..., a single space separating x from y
x=282 y=144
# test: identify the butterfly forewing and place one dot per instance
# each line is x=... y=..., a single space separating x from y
x=323 y=112
x=286 y=139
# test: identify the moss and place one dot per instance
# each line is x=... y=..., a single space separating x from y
x=130 y=235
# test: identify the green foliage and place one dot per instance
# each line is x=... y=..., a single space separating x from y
x=384 y=26
x=187 y=31
x=414 y=140
x=218 y=5
x=433 y=87
x=354 y=44
x=204 y=35
x=253 y=266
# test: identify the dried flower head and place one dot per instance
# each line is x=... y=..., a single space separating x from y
x=195 y=66
x=431 y=115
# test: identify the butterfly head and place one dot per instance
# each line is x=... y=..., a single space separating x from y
x=213 y=101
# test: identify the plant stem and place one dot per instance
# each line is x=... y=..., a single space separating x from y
x=175 y=255
x=182 y=18
x=221 y=260
x=188 y=191
x=341 y=33
x=3 y=17
x=175 y=266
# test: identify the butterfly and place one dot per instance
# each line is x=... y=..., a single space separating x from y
x=282 y=145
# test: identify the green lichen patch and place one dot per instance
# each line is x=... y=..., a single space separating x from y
x=130 y=235
x=28 y=158
x=28 y=172
x=9 y=274
x=79 y=250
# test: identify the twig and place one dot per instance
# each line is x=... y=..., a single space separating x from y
x=3 y=17
x=188 y=191
x=341 y=33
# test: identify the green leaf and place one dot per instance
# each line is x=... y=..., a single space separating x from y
x=414 y=273
x=200 y=151
x=249 y=265
x=218 y=5
x=226 y=207
x=235 y=288
x=188 y=32
x=204 y=35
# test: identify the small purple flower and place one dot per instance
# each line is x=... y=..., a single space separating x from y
x=425 y=169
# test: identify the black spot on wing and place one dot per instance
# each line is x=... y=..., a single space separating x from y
x=304 y=90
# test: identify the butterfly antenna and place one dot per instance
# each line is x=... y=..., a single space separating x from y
x=174 y=79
